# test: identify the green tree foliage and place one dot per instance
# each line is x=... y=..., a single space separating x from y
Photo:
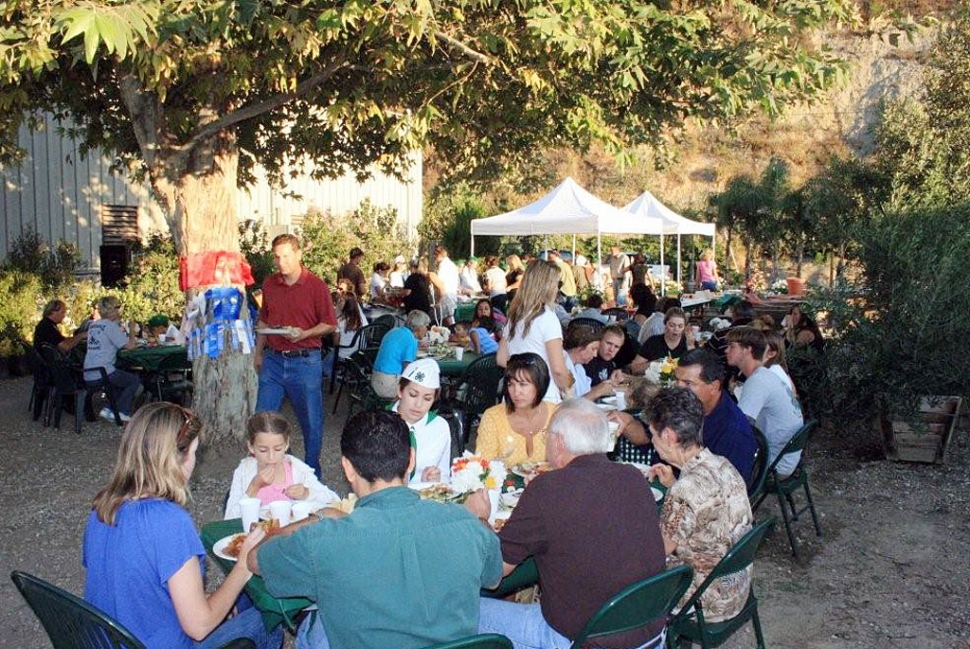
x=23 y=298
x=30 y=253
x=254 y=244
x=328 y=238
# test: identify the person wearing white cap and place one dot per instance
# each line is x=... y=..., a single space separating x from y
x=430 y=434
x=398 y=273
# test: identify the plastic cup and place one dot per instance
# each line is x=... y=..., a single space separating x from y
x=614 y=427
x=161 y=339
x=459 y=353
x=697 y=331
x=493 y=500
x=280 y=510
x=249 y=510
x=301 y=510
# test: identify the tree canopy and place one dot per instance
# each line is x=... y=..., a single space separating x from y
x=353 y=83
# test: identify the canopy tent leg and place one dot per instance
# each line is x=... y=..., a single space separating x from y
x=678 y=260
x=663 y=275
x=473 y=246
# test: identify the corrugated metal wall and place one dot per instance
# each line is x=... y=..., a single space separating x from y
x=60 y=195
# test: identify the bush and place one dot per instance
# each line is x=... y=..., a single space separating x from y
x=29 y=253
x=20 y=308
x=152 y=288
x=903 y=330
x=328 y=238
x=254 y=244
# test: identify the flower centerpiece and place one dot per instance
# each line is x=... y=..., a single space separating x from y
x=438 y=341
x=470 y=473
x=780 y=287
x=662 y=372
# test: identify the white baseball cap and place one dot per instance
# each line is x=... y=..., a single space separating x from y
x=424 y=372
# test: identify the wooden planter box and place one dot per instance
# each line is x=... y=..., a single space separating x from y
x=929 y=440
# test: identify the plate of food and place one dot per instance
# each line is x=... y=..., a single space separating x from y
x=530 y=470
x=439 y=492
x=228 y=547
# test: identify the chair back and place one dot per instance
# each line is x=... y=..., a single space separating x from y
x=370 y=337
x=796 y=443
x=759 y=468
x=38 y=369
x=637 y=605
x=65 y=378
x=740 y=556
x=617 y=312
x=592 y=323
x=481 y=378
x=71 y=622
x=388 y=320
x=480 y=641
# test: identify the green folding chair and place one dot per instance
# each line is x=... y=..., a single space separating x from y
x=480 y=641
x=690 y=626
x=72 y=623
x=759 y=468
x=637 y=605
x=785 y=488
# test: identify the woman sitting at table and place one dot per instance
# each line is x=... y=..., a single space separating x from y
x=350 y=320
x=145 y=562
x=801 y=330
x=514 y=430
x=430 y=434
x=706 y=510
x=673 y=342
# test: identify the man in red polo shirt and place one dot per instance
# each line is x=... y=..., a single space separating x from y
x=289 y=363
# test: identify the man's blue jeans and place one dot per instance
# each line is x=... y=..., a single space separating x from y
x=300 y=378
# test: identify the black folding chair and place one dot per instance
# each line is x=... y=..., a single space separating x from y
x=478 y=387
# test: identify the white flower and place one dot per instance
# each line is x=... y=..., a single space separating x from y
x=653 y=371
x=720 y=323
x=465 y=481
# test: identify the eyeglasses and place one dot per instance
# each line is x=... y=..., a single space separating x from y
x=190 y=418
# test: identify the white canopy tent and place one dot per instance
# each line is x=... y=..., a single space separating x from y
x=647 y=206
x=567 y=209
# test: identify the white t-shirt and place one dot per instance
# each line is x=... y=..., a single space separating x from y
x=105 y=338
x=775 y=410
x=347 y=337
x=469 y=281
x=582 y=383
x=654 y=326
x=396 y=279
x=545 y=327
x=376 y=286
x=448 y=274
x=783 y=375
x=495 y=279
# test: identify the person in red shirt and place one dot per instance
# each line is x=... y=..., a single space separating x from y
x=298 y=310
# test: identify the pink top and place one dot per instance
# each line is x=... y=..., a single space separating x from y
x=272 y=493
x=706 y=270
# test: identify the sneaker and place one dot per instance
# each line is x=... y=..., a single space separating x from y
x=124 y=417
x=107 y=413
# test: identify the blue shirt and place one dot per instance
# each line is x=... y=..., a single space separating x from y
x=728 y=433
x=398 y=348
x=129 y=564
x=486 y=343
x=398 y=572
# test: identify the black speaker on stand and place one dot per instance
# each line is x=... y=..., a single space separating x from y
x=115 y=261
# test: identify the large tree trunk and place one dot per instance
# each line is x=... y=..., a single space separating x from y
x=196 y=186
x=225 y=387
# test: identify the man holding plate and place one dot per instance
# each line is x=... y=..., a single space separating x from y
x=297 y=312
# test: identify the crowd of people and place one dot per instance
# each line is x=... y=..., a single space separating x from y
x=404 y=572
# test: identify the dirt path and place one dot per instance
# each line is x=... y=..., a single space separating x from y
x=889 y=572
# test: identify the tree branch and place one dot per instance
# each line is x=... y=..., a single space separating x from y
x=249 y=112
x=464 y=49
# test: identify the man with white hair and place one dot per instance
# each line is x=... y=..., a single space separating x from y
x=588 y=513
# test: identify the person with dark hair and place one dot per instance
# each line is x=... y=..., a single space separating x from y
x=581 y=345
x=417 y=288
x=706 y=510
x=290 y=364
x=645 y=301
x=46 y=330
x=673 y=342
x=586 y=514
x=603 y=366
x=378 y=281
x=398 y=571
x=742 y=313
x=512 y=430
x=801 y=330
x=765 y=398
x=351 y=271
x=594 y=308
x=727 y=431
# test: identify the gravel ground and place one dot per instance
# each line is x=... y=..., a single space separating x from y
x=889 y=571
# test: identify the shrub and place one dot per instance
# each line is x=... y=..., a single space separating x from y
x=30 y=253
x=153 y=285
x=20 y=308
x=254 y=244
x=903 y=329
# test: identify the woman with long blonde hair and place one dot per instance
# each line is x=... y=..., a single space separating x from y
x=534 y=327
x=145 y=562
